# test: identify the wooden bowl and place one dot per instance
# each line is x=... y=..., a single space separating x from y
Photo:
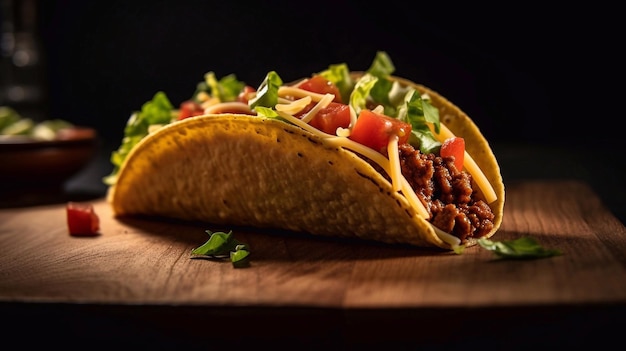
x=27 y=162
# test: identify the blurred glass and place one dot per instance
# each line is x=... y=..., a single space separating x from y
x=21 y=61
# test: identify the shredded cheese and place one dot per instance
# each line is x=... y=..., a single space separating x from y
x=293 y=107
x=231 y=107
x=448 y=238
x=394 y=159
x=154 y=127
x=345 y=132
x=208 y=101
x=323 y=103
x=299 y=93
x=469 y=164
x=297 y=121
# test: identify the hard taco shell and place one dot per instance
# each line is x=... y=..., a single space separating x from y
x=241 y=170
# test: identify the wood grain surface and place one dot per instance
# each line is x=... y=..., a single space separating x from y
x=148 y=261
x=135 y=284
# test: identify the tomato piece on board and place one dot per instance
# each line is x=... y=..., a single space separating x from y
x=375 y=130
x=189 y=109
x=321 y=85
x=455 y=147
x=82 y=220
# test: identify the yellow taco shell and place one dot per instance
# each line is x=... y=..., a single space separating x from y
x=241 y=170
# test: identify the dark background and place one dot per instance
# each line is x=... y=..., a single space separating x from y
x=524 y=72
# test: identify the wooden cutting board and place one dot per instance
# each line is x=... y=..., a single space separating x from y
x=148 y=262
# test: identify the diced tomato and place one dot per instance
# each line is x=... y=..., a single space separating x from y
x=321 y=85
x=244 y=95
x=375 y=130
x=82 y=220
x=189 y=108
x=455 y=147
x=330 y=118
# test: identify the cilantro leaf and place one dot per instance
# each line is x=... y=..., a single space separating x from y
x=419 y=112
x=522 y=248
x=222 y=245
x=239 y=257
x=267 y=92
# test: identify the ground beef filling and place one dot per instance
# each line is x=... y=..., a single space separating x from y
x=447 y=194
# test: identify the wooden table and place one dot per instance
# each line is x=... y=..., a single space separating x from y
x=136 y=282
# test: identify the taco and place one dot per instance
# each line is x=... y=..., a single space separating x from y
x=357 y=154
